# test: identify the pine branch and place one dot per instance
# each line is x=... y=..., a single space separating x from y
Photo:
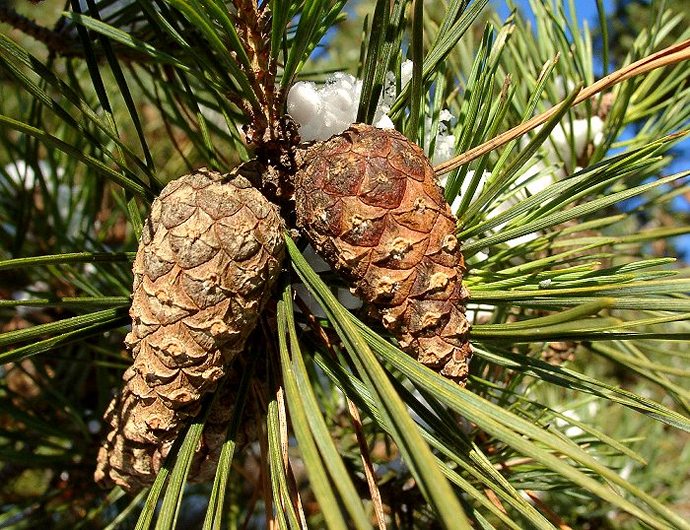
x=59 y=41
x=54 y=40
x=666 y=57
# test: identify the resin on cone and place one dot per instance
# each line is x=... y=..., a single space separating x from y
x=209 y=254
x=369 y=203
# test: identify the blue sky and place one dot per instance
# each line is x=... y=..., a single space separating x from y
x=586 y=9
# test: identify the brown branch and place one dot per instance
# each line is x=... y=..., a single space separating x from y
x=555 y=518
x=53 y=40
x=61 y=43
x=493 y=498
x=287 y=466
x=251 y=27
x=367 y=465
x=666 y=57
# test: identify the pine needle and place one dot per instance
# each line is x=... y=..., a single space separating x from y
x=673 y=54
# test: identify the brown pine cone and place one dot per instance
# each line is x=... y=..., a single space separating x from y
x=209 y=253
x=369 y=203
x=135 y=465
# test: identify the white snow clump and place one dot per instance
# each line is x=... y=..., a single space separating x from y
x=34 y=290
x=563 y=86
x=558 y=147
x=23 y=174
x=329 y=109
x=445 y=141
x=495 y=210
x=567 y=143
x=322 y=111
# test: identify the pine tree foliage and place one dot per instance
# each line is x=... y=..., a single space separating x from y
x=576 y=410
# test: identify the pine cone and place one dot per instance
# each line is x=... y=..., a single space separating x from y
x=369 y=203
x=135 y=465
x=208 y=256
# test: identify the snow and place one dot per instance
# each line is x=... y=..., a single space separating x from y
x=558 y=148
x=24 y=175
x=563 y=87
x=384 y=122
x=445 y=141
x=30 y=292
x=547 y=167
x=478 y=314
x=323 y=111
x=571 y=431
x=326 y=110
x=405 y=73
